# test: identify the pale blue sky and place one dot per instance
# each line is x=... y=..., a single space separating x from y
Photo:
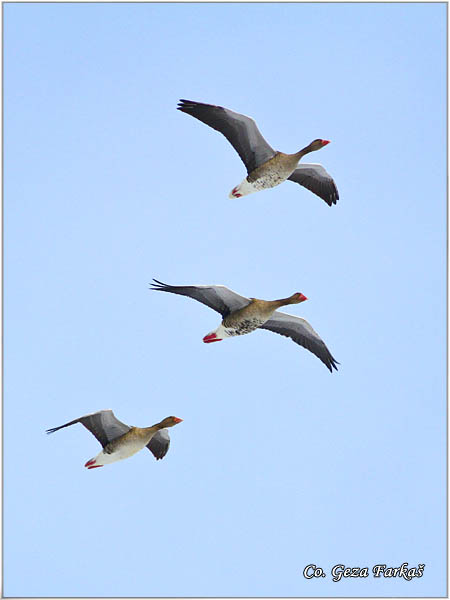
x=278 y=464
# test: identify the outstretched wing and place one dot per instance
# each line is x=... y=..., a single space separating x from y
x=217 y=297
x=102 y=424
x=301 y=332
x=316 y=179
x=159 y=444
x=240 y=131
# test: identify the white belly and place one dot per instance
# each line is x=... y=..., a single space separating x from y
x=244 y=326
x=269 y=180
x=243 y=189
x=122 y=452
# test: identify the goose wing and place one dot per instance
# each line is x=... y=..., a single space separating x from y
x=241 y=131
x=301 y=332
x=317 y=180
x=102 y=424
x=159 y=444
x=218 y=297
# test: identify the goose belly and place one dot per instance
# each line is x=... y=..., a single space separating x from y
x=270 y=180
x=244 y=326
x=261 y=179
x=119 y=453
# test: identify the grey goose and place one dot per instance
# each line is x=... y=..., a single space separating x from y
x=120 y=441
x=241 y=315
x=266 y=167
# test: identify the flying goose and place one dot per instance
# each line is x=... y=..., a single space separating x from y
x=121 y=441
x=242 y=315
x=266 y=167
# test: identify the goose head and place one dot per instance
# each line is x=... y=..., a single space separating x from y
x=297 y=298
x=317 y=144
x=169 y=422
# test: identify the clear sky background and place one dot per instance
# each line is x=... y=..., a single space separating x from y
x=278 y=463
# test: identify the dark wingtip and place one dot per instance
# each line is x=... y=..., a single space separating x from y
x=157 y=285
x=332 y=200
x=184 y=104
x=332 y=364
x=47 y=431
x=158 y=454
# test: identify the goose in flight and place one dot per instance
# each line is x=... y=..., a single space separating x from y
x=243 y=315
x=121 y=441
x=266 y=167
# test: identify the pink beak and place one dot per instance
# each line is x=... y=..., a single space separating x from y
x=211 y=337
x=325 y=142
x=303 y=297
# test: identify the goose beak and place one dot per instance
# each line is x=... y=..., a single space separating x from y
x=325 y=142
x=177 y=420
